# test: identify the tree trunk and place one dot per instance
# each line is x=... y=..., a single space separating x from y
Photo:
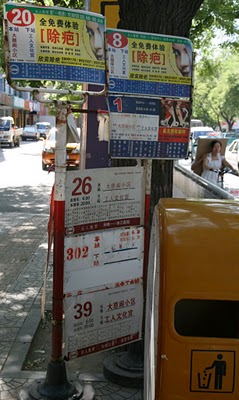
x=167 y=17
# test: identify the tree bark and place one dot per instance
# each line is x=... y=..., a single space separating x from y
x=167 y=17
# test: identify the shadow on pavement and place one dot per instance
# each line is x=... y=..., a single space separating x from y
x=25 y=199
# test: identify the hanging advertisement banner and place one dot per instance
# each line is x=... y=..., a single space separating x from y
x=98 y=200
x=103 y=318
x=149 y=128
x=54 y=43
x=149 y=64
x=102 y=257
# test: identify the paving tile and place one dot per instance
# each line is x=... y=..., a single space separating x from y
x=23 y=247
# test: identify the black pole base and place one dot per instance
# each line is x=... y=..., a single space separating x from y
x=54 y=387
x=126 y=368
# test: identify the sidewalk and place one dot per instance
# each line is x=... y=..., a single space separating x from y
x=23 y=246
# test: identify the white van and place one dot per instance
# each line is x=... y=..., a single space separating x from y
x=43 y=128
x=9 y=133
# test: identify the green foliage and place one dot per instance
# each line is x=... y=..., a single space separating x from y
x=1 y=42
x=216 y=94
x=61 y=3
x=213 y=17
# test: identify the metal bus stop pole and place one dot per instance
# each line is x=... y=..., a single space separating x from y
x=56 y=385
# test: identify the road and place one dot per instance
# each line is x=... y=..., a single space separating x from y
x=24 y=187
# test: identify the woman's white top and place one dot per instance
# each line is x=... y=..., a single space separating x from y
x=212 y=176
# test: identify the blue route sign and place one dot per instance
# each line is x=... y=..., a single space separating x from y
x=148 y=128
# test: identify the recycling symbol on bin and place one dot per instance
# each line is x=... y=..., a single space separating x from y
x=212 y=371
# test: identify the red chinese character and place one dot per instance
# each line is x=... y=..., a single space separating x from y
x=69 y=38
x=140 y=56
x=52 y=36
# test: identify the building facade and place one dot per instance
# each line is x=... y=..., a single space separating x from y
x=19 y=105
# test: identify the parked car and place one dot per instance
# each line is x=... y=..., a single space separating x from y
x=30 y=132
x=232 y=154
x=43 y=128
x=231 y=136
x=48 y=152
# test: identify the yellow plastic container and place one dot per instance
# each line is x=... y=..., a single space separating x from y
x=192 y=310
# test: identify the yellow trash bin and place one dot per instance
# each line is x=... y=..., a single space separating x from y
x=192 y=305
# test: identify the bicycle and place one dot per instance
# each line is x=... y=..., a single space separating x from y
x=222 y=171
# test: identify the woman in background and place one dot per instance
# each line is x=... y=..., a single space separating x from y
x=213 y=162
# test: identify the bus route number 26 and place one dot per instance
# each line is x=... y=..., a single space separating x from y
x=82 y=186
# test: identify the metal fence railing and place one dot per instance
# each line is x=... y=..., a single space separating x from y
x=187 y=184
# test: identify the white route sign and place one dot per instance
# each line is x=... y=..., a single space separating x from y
x=103 y=257
x=103 y=318
x=104 y=198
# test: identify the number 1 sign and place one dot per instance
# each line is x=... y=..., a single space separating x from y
x=148 y=128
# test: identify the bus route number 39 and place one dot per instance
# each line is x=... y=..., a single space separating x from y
x=83 y=310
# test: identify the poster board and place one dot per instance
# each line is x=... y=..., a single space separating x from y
x=54 y=43
x=149 y=64
x=203 y=148
x=148 y=128
x=103 y=263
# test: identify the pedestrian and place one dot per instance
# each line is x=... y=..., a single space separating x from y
x=213 y=162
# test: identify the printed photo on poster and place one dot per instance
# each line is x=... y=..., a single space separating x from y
x=95 y=32
x=183 y=58
x=175 y=113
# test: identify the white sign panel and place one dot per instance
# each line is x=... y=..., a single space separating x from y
x=101 y=258
x=104 y=198
x=103 y=318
